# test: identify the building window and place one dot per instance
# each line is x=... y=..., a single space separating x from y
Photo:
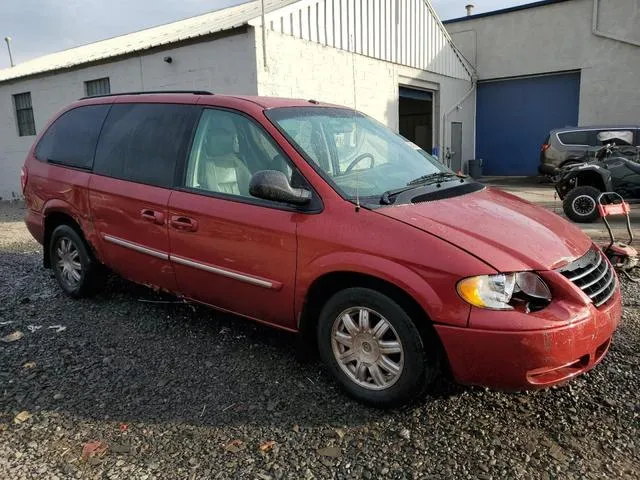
x=100 y=86
x=24 y=114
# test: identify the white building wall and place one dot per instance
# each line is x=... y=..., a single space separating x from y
x=559 y=37
x=224 y=65
x=304 y=69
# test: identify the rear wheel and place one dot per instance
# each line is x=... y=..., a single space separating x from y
x=76 y=271
x=373 y=348
x=581 y=204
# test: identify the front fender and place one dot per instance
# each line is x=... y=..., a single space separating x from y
x=420 y=283
x=563 y=183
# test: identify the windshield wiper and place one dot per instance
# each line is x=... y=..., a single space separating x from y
x=386 y=197
x=432 y=177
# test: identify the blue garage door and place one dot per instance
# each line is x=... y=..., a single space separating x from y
x=514 y=117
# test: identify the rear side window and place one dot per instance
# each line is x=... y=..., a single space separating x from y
x=144 y=142
x=71 y=139
x=582 y=137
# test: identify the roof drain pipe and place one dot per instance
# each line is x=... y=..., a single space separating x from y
x=598 y=33
x=457 y=106
x=264 y=37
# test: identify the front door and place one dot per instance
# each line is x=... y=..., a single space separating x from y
x=134 y=171
x=229 y=249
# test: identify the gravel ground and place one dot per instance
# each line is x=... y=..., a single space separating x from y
x=171 y=391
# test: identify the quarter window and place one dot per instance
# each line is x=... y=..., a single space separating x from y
x=71 y=139
x=582 y=137
x=144 y=142
x=228 y=149
x=101 y=86
x=24 y=114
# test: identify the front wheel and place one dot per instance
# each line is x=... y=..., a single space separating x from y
x=581 y=204
x=373 y=348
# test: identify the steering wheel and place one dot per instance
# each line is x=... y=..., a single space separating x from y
x=358 y=159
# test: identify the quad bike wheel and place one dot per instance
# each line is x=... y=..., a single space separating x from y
x=581 y=204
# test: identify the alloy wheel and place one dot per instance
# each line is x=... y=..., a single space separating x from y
x=367 y=348
x=67 y=262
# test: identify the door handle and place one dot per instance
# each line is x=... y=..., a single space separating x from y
x=152 y=216
x=184 y=224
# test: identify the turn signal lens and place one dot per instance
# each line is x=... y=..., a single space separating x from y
x=488 y=291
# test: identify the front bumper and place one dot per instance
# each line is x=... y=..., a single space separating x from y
x=520 y=360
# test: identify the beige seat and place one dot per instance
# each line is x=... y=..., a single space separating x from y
x=221 y=170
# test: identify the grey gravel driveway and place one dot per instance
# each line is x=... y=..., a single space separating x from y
x=166 y=390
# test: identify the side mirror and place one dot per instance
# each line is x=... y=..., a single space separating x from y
x=273 y=185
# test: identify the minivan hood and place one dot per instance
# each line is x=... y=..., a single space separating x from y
x=506 y=232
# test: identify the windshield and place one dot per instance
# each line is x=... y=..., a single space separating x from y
x=356 y=153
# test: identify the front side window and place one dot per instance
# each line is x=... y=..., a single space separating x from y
x=228 y=148
x=24 y=114
x=356 y=153
x=144 y=142
x=71 y=139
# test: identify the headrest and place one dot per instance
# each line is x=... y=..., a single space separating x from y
x=219 y=142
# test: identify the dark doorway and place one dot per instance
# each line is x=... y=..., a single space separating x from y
x=415 y=108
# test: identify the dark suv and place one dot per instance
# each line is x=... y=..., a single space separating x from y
x=570 y=145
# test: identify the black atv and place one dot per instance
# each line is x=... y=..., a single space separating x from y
x=610 y=168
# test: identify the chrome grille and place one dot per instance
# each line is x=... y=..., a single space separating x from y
x=592 y=274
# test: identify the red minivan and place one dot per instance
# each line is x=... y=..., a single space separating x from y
x=316 y=219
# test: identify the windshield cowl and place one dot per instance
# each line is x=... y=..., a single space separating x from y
x=408 y=193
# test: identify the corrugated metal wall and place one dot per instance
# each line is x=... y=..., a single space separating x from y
x=406 y=32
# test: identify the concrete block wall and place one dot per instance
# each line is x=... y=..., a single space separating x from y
x=302 y=69
x=234 y=64
x=225 y=65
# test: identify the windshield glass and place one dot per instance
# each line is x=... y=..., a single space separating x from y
x=358 y=155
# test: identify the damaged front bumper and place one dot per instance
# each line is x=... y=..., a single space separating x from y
x=530 y=359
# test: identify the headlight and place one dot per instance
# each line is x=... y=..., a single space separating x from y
x=499 y=292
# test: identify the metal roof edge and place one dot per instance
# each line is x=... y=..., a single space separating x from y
x=517 y=8
x=236 y=30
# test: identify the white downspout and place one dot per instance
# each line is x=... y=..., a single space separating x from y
x=598 y=33
x=456 y=106
x=264 y=37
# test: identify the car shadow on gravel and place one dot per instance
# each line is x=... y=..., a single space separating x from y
x=130 y=354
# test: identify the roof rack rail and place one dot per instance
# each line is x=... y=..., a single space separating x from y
x=193 y=92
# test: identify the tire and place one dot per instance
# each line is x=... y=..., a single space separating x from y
x=581 y=204
x=74 y=267
x=368 y=374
